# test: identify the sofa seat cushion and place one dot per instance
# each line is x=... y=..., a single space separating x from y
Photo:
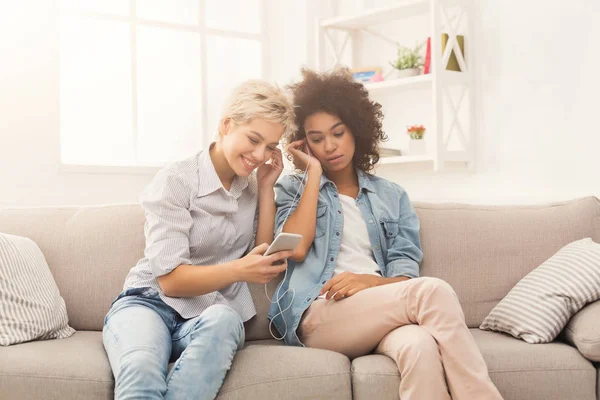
x=72 y=368
x=520 y=370
x=77 y=368
x=268 y=370
x=375 y=377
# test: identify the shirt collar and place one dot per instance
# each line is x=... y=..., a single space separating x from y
x=364 y=181
x=208 y=180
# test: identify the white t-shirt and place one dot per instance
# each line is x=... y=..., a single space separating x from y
x=355 y=253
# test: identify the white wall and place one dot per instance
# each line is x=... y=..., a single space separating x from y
x=538 y=87
x=30 y=172
x=538 y=84
x=29 y=120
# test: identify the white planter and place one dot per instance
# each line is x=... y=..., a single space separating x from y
x=404 y=73
x=417 y=146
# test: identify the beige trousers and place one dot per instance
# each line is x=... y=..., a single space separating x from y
x=419 y=324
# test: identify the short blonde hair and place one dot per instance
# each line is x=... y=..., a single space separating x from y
x=257 y=98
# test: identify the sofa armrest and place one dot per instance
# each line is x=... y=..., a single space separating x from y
x=583 y=331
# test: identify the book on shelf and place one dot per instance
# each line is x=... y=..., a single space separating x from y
x=452 y=61
x=365 y=74
x=427 y=64
x=389 y=152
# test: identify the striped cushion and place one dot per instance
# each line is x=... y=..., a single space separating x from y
x=30 y=304
x=539 y=306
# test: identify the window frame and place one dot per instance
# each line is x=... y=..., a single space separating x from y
x=134 y=21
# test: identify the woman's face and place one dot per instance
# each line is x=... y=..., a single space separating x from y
x=330 y=141
x=247 y=146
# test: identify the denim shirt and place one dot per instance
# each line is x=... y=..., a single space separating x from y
x=393 y=228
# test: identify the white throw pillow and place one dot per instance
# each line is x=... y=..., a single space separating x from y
x=30 y=304
x=539 y=306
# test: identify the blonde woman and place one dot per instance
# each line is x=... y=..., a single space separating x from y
x=187 y=299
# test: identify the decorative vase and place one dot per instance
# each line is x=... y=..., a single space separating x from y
x=405 y=73
x=416 y=146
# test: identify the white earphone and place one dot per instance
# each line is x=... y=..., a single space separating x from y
x=279 y=296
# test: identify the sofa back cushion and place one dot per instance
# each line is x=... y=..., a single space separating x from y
x=482 y=251
x=89 y=251
x=31 y=304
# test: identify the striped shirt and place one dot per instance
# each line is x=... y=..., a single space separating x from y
x=192 y=219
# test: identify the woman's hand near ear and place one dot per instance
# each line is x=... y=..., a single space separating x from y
x=268 y=173
x=298 y=151
x=266 y=176
x=303 y=220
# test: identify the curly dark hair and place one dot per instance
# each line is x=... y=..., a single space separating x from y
x=336 y=93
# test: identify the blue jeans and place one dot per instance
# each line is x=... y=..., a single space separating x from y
x=142 y=335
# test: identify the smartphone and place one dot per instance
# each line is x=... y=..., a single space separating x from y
x=284 y=241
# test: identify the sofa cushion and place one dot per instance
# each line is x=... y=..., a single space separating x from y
x=73 y=368
x=483 y=251
x=553 y=371
x=541 y=304
x=77 y=368
x=598 y=381
x=522 y=370
x=257 y=328
x=89 y=250
x=375 y=377
x=31 y=305
x=583 y=331
x=268 y=370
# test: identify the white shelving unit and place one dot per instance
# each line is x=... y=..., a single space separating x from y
x=423 y=81
x=445 y=16
x=369 y=18
x=405 y=159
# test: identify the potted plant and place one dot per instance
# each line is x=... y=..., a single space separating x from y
x=416 y=144
x=408 y=61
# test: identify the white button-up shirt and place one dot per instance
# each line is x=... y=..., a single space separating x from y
x=192 y=219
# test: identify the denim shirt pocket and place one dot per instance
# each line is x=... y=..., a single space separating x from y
x=390 y=228
x=321 y=225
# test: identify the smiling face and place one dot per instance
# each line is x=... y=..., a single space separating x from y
x=247 y=146
x=330 y=141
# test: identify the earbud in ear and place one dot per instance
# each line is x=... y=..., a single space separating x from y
x=308 y=150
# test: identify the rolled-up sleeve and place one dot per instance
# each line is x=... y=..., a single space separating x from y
x=405 y=254
x=166 y=203
x=286 y=189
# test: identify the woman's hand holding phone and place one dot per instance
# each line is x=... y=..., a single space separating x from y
x=299 y=151
x=257 y=268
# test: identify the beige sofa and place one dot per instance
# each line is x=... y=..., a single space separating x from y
x=481 y=251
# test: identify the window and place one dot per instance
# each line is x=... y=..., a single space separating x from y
x=142 y=82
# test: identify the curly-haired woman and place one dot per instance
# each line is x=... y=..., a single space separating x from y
x=355 y=276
